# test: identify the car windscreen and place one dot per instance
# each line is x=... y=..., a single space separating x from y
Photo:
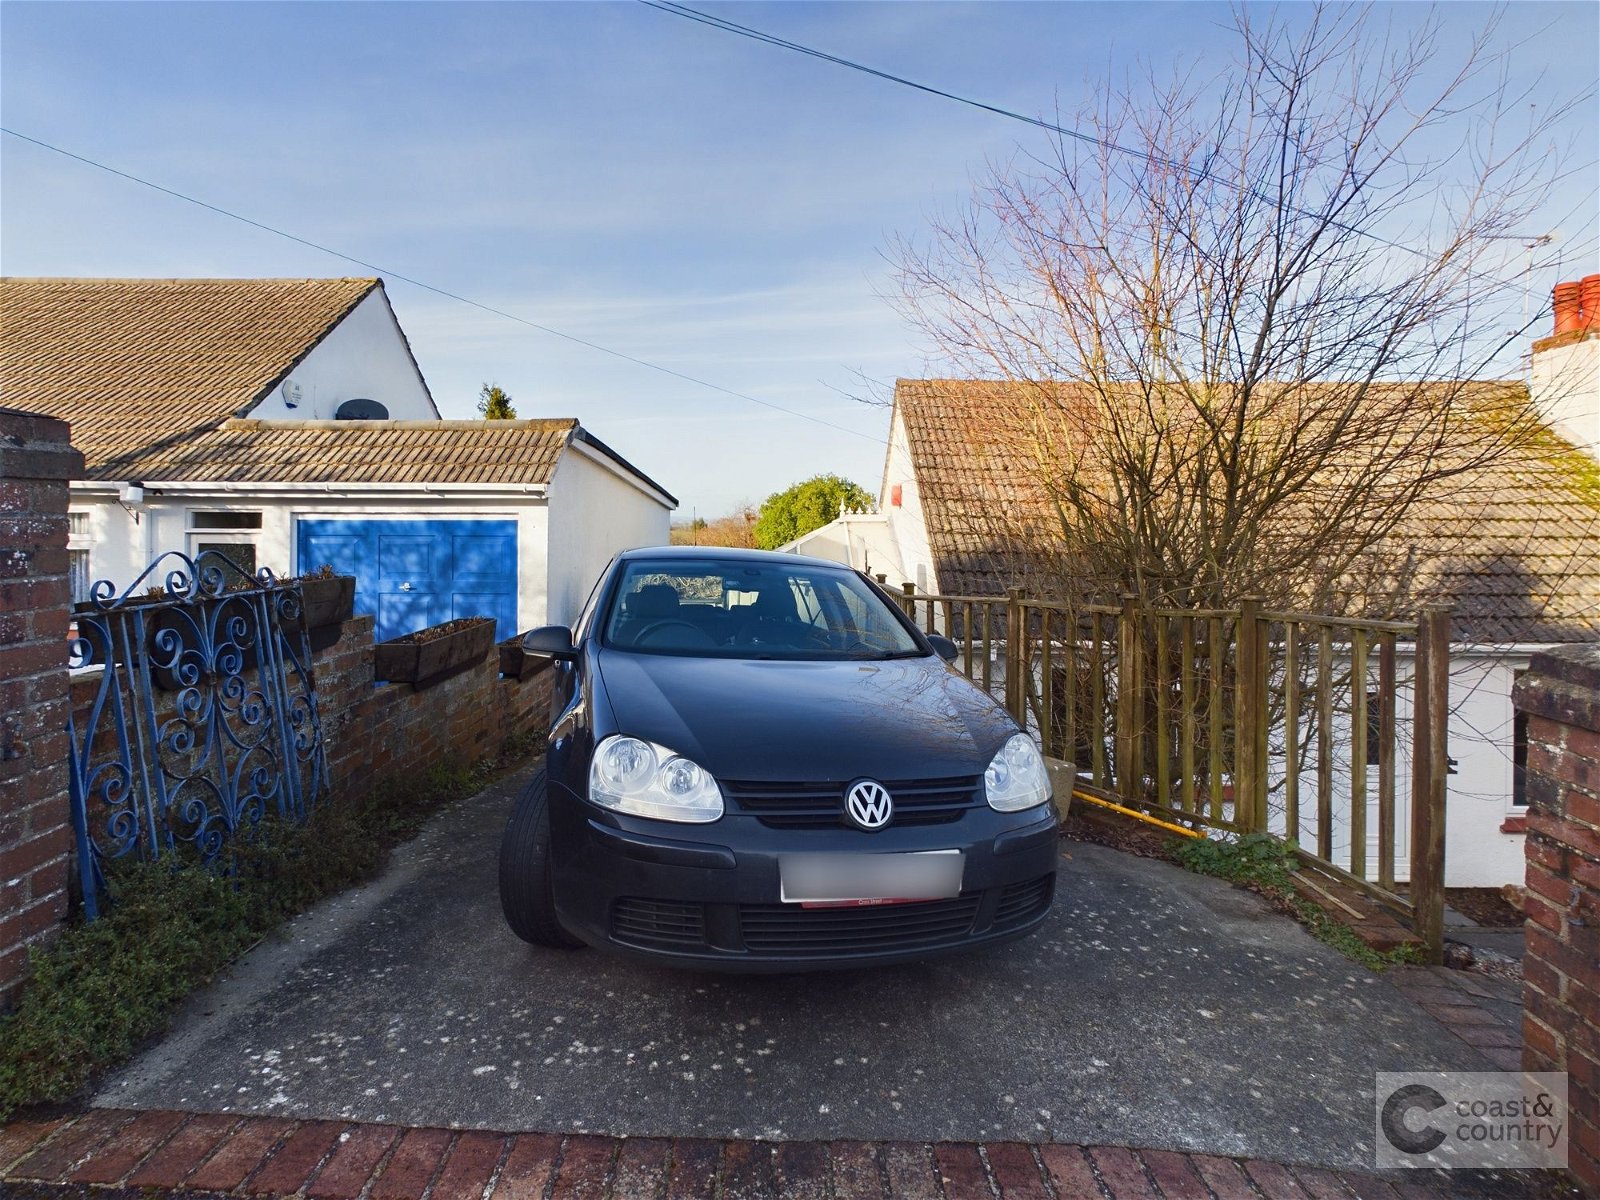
x=744 y=609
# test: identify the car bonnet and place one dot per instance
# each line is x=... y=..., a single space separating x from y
x=780 y=720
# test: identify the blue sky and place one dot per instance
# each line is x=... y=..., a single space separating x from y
x=688 y=197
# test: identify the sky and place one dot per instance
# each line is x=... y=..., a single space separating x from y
x=710 y=205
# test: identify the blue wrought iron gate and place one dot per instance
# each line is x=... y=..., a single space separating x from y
x=204 y=718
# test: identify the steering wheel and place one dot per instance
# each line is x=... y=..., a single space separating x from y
x=701 y=637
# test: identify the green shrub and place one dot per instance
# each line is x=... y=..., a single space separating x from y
x=1257 y=859
x=103 y=988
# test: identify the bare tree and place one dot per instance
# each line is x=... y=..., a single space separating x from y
x=1240 y=328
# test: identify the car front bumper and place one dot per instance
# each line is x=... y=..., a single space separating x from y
x=708 y=896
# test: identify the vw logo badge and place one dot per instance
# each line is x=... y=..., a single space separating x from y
x=868 y=805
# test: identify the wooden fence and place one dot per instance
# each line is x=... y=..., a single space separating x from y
x=1243 y=720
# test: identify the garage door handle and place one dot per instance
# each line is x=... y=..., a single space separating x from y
x=405 y=587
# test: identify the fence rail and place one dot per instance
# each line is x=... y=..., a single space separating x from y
x=1245 y=720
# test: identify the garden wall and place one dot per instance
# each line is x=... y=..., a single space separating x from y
x=1561 y=963
x=397 y=729
x=373 y=733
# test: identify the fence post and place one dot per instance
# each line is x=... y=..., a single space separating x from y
x=908 y=600
x=1250 y=719
x=1016 y=656
x=1127 y=731
x=1430 y=759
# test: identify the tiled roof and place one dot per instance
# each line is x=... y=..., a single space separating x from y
x=1514 y=548
x=156 y=359
x=420 y=452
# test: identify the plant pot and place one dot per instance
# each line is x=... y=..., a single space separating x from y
x=426 y=656
x=515 y=664
x=325 y=600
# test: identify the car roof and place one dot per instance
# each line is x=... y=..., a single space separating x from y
x=730 y=554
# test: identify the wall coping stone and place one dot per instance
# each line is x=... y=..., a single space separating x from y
x=1563 y=684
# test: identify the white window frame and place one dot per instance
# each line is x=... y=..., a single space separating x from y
x=197 y=532
x=79 y=544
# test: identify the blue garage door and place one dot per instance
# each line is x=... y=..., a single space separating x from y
x=412 y=574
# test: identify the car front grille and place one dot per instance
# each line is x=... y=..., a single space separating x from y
x=828 y=932
x=1022 y=902
x=671 y=924
x=815 y=805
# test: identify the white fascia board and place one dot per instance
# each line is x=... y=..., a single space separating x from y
x=388 y=491
x=1502 y=649
x=628 y=477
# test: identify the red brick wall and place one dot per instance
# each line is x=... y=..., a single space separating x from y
x=1561 y=1023
x=35 y=831
x=396 y=729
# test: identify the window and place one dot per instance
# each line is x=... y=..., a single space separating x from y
x=78 y=555
x=232 y=533
x=202 y=519
x=736 y=608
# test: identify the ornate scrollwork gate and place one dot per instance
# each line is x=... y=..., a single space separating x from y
x=204 y=717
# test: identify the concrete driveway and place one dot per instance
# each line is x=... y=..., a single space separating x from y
x=1156 y=1009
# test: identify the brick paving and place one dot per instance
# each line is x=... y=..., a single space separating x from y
x=146 y=1154
x=1485 y=1016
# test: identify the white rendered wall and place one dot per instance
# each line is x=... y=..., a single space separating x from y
x=1477 y=796
x=594 y=513
x=907 y=523
x=121 y=549
x=1566 y=390
x=365 y=355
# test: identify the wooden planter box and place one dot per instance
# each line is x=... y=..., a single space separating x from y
x=406 y=660
x=326 y=600
x=514 y=664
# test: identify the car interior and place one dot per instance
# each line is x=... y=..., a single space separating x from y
x=758 y=611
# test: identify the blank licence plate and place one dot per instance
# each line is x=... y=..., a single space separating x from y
x=862 y=879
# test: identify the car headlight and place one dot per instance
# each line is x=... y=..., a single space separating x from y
x=647 y=780
x=1016 y=779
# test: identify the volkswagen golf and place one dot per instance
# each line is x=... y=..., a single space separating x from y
x=757 y=762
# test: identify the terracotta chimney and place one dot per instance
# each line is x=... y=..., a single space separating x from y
x=1568 y=302
x=1589 y=302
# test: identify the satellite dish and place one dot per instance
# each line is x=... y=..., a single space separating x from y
x=361 y=409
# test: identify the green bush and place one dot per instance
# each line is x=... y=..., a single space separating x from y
x=170 y=926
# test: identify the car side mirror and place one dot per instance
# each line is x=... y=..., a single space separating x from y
x=944 y=647
x=551 y=641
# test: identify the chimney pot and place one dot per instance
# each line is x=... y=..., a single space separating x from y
x=1567 y=299
x=1589 y=302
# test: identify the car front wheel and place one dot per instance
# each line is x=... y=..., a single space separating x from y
x=527 y=894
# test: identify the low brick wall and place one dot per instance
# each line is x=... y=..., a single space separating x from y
x=373 y=733
x=1561 y=1023
x=36 y=462
x=396 y=729
x=388 y=730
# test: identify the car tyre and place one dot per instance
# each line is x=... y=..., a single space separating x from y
x=527 y=895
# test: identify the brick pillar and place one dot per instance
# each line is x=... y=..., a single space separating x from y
x=1561 y=997
x=36 y=462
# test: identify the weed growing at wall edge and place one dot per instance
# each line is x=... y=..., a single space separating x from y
x=103 y=988
x=1264 y=864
